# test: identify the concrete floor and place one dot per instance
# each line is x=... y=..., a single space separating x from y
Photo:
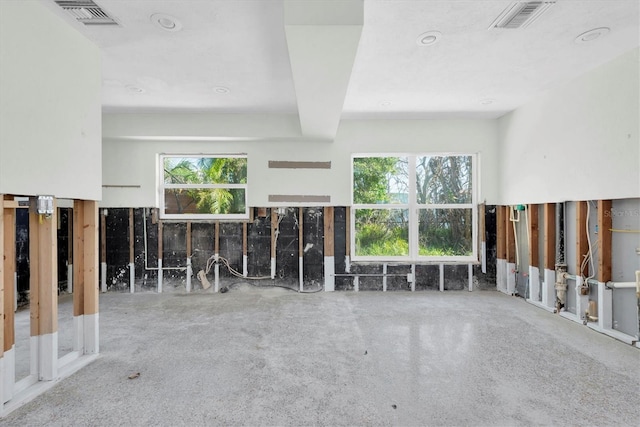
x=274 y=357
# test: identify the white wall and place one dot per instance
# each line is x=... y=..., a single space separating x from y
x=132 y=143
x=576 y=142
x=50 y=106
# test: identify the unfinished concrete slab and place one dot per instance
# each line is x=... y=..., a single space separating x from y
x=256 y=356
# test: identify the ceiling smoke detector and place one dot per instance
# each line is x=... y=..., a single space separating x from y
x=521 y=14
x=428 y=38
x=86 y=12
x=166 y=22
x=591 y=35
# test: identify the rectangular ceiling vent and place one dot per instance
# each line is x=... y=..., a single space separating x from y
x=521 y=14
x=86 y=12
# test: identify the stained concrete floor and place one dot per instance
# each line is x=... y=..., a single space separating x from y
x=274 y=357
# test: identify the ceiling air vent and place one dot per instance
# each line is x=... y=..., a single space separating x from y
x=521 y=14
x=86 y=12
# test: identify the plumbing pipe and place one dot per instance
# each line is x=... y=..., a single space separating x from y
x=384 y=277
x=569 y=276
x=561 y=287
x=189 y=273
x=515 y=239
x=621 y=285
x=144 y=232
x=132 y=277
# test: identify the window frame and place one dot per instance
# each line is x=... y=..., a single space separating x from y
x=162 y=186
x=414 y=208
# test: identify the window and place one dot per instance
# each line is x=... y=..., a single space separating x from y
x=203 y=187
x=413 y=207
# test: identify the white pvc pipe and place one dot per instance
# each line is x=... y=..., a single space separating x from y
x=273 y=268
x=470 y=276
x=301 y=272
x=356 y=283
x=216 y=271
x=245 y=265
x=621 y=285
x=189 y=272
x=384 y=278
x=441 y=277
x=159 y=275
x=413 y=277
x=132 y=277
x=69 y=278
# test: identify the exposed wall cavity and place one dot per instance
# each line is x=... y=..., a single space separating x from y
x=284 y=226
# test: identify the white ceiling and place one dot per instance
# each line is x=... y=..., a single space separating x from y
x=250 y=47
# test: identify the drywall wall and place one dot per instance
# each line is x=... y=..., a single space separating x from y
x=576 y=142
x=50 y=111
x=132 y=143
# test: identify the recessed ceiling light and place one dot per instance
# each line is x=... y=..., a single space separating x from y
x=487 y=101
x=166 y=22
x=134 y=89
x=428 y=38
x=591 y=35
x=221 y=89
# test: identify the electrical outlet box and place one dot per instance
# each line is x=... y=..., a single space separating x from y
x=409 y=277
x=43 y=205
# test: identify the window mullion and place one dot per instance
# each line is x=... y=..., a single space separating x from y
x=413 y=209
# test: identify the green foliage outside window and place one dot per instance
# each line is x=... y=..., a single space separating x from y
x=205 y=185
x=443 y=197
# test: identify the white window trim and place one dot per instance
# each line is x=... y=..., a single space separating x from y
x=414 y=208
x=162 y=186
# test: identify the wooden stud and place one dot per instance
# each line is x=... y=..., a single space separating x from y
x=90 y=248
x=582 y=246
x=78 y=257
x=510 y=243
x=160 y=243
x=34 y=277
x=8 y=270
x=328 y=231
x=300 y=233
x=534 y=257
x=274 y=229
x=132 y=254
x=216 y=239
x=549 y=236
x=605 y=223
x=188 y=238
x=501 y=236
x=244 y=239
x=44 y=272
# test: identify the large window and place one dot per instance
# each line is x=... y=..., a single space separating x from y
x=203 y=187
x=414 y=207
